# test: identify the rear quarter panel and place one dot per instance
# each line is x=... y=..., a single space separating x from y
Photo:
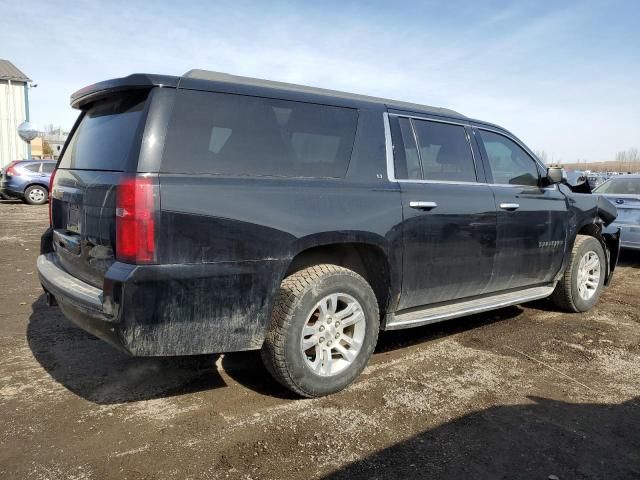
x=236 y=236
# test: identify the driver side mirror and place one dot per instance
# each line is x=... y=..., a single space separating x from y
x=555 y=175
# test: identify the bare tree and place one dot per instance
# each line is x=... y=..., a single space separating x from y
x=625 y=161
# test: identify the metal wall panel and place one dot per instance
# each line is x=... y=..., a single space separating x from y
x=12 y=114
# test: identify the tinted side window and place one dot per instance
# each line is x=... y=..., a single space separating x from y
x=234 y=135
x=509 y=163
x=405 y=152
x=48 y=167
x=445 y=152
x=33 y=167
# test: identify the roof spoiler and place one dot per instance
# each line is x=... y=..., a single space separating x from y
x=93 y=92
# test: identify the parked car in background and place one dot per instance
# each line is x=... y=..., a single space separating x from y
x=214 y=213
x=624 y=191
x=577 y=180
x=596 y=179
x=28 y=180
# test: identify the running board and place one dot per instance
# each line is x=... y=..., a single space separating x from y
x=429 y=315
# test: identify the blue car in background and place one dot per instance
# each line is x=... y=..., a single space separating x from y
x=28 y=180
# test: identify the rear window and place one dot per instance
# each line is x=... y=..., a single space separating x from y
x=226 y=134
x=106 y=135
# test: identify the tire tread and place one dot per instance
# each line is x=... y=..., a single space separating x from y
x=562 y=296
x=291 y=290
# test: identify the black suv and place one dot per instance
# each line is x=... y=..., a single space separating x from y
x=213 y=213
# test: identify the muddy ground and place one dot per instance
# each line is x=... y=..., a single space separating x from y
x=524 y=392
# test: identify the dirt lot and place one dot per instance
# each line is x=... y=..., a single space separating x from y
x=525 y=392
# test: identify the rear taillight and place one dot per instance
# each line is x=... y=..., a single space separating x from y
x=11 y=170
x=53 y=176
x=136 y=220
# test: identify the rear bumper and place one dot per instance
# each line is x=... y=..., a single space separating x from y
x=80 y=302
x=8 y=188
x=164 y=310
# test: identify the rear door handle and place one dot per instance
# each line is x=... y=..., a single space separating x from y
x=510 y=206
x=423 y=205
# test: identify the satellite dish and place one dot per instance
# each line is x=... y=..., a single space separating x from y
x=28 y=131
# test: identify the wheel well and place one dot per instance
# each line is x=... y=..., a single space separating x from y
x=592 y=229
x=595 y=230
x=33 y=185
x=367 y=260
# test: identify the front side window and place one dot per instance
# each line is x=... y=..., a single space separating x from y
x=238 y=135
x=445 y=152
x=510 y=164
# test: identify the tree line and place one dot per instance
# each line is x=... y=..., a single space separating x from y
x=625 y=161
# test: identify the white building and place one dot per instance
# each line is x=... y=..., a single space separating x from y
x=14 y=109
x=56 y=138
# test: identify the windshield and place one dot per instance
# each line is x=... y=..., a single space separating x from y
x=106 y=135
x=620 y=186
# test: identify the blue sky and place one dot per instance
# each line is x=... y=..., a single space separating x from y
x=563 y=76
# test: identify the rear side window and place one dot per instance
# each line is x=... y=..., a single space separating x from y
x=48 y=167
x=405 y=153
x=237 y=135
x=106 y=135
x=443 y=152
x=33 y=167
x=510 y=164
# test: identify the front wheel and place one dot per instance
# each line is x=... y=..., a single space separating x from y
x=323 y=330
x=583 y=280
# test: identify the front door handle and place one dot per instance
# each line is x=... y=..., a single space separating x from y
x=423 y=205
x=510 y=206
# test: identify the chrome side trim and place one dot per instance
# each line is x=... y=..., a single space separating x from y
x=389 y=152
x=447 y=182
x=431 y=119
x=391 y=172
x=388 y=147
x=468 y=307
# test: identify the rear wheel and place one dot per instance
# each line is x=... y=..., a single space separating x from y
x=36 y=195
x=323 y=330
x=583 y=280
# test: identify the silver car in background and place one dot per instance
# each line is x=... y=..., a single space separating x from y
x=624 y=192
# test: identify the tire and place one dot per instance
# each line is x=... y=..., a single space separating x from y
x=346 y=297
x=568 y=294
x=36 y=195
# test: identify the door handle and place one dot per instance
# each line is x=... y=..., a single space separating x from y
x=510 y=206
x=423 y=205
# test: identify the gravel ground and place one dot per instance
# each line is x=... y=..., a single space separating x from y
x=523 y=392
